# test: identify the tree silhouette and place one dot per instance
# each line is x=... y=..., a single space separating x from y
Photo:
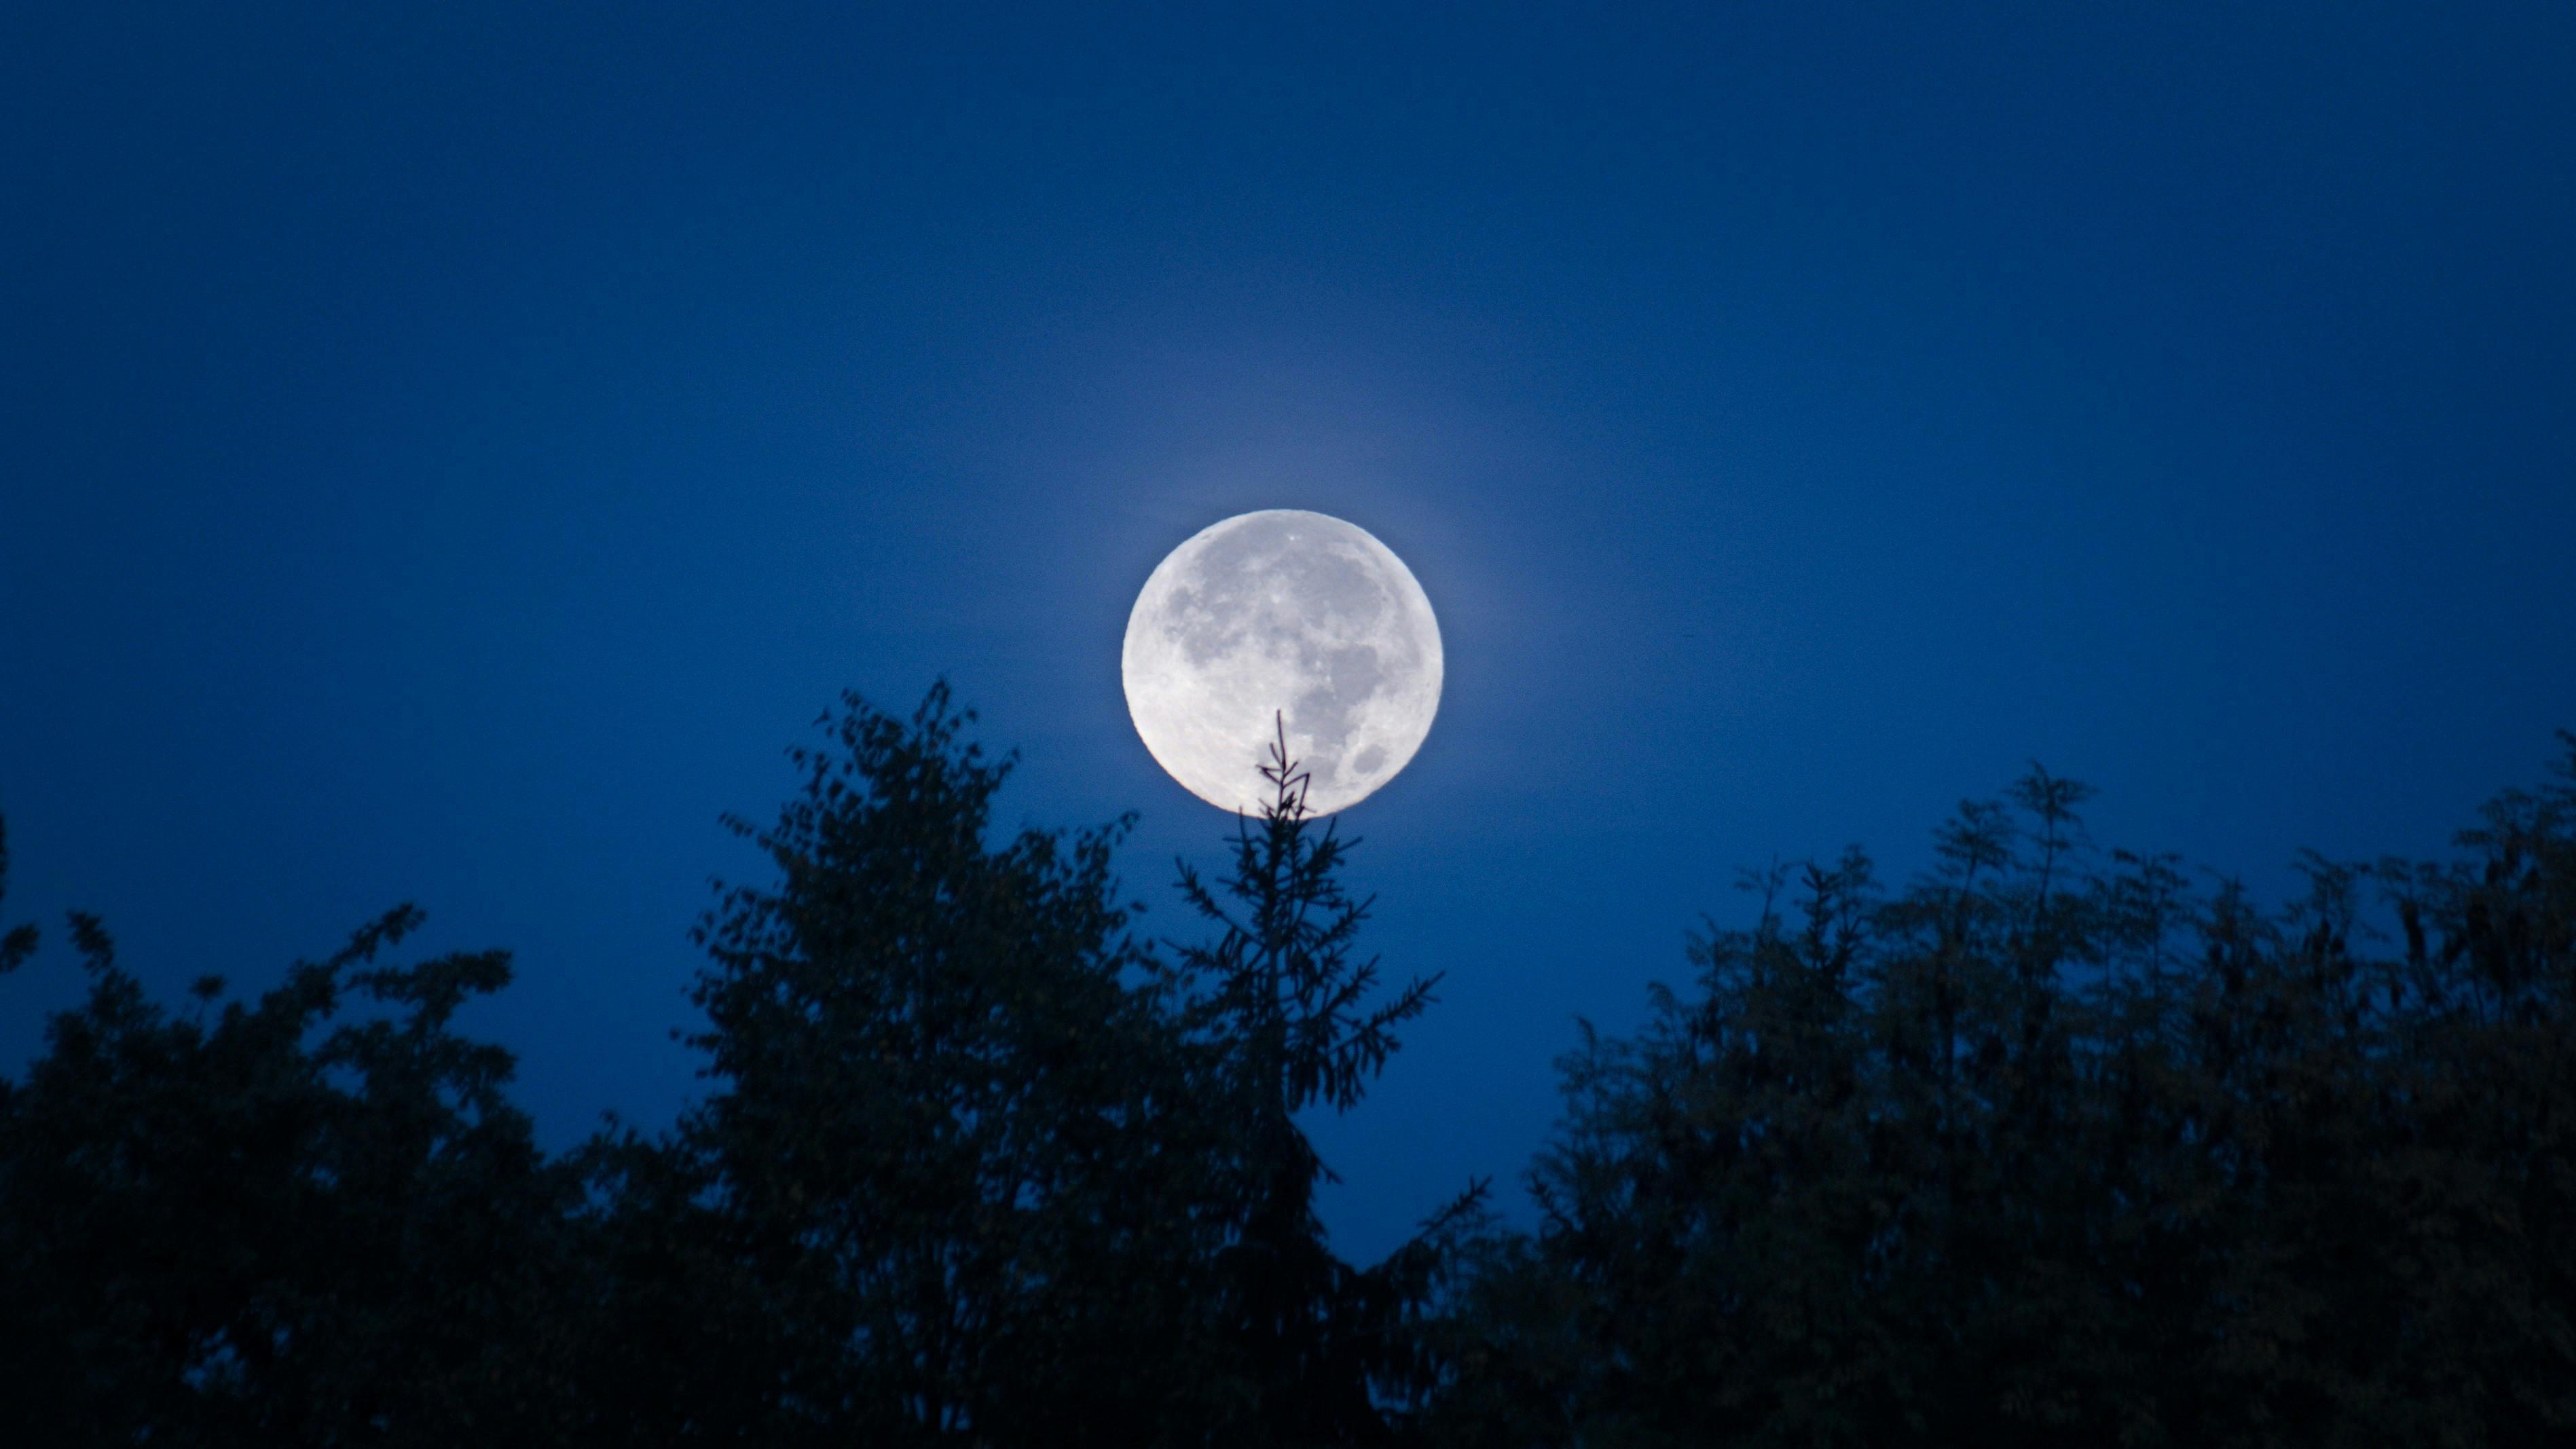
x=2049 y=1148
x=2048 y=1145
x=289 y=1223
x=982 y=1168
x=953 y=1153
x=1285 y=1007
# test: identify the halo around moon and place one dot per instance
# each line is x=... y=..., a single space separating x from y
x=1282 y=617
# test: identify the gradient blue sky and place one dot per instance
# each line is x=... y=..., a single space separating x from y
x=447 y=456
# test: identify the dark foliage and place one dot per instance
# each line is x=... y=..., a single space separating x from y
x=1316 y=1348
x=980 y=1167
x=2048 y=1146
x=283 y=1224
x=955 y=1181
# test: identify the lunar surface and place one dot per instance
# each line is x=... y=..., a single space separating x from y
x=1282 y=615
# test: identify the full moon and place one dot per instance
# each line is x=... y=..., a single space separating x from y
x=1282 y=616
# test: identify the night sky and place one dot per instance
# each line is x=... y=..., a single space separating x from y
x=447 y=457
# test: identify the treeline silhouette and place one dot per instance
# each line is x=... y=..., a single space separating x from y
x=2048 y=1146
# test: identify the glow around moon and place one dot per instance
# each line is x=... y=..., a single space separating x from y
x=1282 y=614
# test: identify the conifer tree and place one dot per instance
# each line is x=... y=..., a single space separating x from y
x=1282 y=1006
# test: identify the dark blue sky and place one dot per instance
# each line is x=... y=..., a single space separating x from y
x=448 y=458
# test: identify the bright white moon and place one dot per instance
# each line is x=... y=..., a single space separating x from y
x=1282 y=613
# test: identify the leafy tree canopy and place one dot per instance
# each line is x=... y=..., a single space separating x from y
x=2051 y=1144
